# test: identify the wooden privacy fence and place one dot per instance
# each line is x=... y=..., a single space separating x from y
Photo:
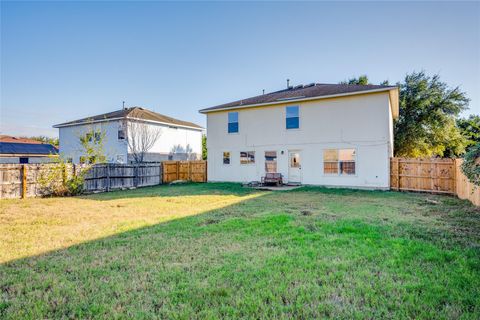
x=432 y=175
x=195 y=171
x=465 y=189
x=23 y=180
x=106 y=177
x=428 y=175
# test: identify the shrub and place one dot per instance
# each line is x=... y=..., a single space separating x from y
x=54 y=179
x=471 y=165
x=74 y=185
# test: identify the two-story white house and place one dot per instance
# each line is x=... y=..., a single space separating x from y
x=178 y=140
x=318 y=134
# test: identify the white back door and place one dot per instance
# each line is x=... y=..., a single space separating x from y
x=294 y=166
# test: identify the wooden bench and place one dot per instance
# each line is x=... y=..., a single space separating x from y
x=272 y=178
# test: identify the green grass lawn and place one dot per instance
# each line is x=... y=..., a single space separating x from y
x=222 y=251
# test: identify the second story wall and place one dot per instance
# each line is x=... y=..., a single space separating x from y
x=175 y=143
x=362 y=119
x=114 y=149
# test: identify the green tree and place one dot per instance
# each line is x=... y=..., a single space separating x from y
x=54 y=178
x=426 y=126
x=470 y=129
x=44 y=139
x=471 y=164
x=204 y=147
x=92 y=143
x=362 y=80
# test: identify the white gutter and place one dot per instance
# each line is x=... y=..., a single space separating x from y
x=121 y=118
x=296 y=100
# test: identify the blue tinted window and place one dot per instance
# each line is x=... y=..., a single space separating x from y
x=292 y=119
x=233 y=127
x=232 y=117
x=232 y=122
x=292 y=123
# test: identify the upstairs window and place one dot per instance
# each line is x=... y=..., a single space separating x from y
x=292 y=119
x=92 y=136
x=339 y=161
x=121 y=132
x=232 y=122
x=247 y=157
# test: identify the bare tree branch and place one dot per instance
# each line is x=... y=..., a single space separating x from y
x=141 y=137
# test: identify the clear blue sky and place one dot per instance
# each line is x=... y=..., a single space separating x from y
x=63 y=61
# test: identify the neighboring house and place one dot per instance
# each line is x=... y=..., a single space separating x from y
x=179 y=140
x=319 y=134
x=23 y=150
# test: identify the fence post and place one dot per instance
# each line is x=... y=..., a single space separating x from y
x=107 y=167
x=135 y=175
x=178 y=170
x=189 y=177
x=24 y=181
x=455 y=177
x=398 y=173
x=162 y=173
x=64 y=174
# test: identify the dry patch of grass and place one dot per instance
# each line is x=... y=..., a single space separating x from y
x=35 y=226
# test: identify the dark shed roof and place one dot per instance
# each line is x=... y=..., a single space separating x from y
x=27 y=148
x=134 y=112
x=300 y=92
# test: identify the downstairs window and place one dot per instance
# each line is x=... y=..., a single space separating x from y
x=339 y=161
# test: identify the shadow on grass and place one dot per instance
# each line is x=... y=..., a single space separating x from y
x=249 y=259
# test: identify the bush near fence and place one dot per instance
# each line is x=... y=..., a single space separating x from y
x=21 y=181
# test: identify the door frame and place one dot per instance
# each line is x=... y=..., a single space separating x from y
x=299 y=169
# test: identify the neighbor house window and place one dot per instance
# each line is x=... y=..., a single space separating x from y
x=247 y=157
x=270 y=161
x=121 y=132
x=120 y=158
x=226 y=158
x=339 y=161
x=292 y=118
x=93 y=136
x=88 y=160
x=232 y=122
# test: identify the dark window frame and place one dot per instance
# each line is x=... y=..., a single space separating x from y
x=292 y=121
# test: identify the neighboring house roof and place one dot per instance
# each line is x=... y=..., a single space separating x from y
x=132 y=113
x=11 y=148
x=5 y=138
x=299 y=93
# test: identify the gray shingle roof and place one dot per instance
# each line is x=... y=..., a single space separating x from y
x=27 y=148
x=134 y=112
x=300 y=92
